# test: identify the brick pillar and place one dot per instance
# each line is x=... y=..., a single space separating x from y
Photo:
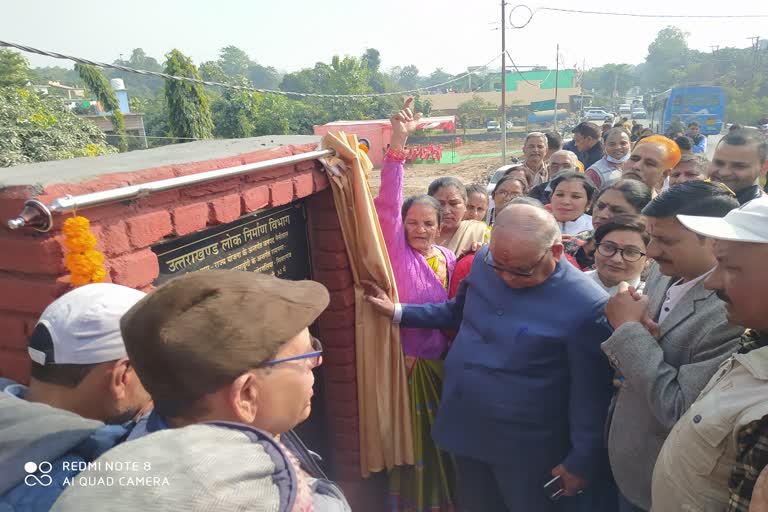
x=330 y=266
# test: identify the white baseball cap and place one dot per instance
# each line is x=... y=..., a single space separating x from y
x=749 y=223
x=83 y=326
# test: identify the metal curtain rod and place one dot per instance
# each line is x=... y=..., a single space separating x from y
x=39 y=216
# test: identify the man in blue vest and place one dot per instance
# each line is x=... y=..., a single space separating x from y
x=526 y=388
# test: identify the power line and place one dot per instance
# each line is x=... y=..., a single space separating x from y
x=166 y=76
x=532 y=13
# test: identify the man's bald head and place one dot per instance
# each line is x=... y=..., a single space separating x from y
x=525 y=223
x=525 y=245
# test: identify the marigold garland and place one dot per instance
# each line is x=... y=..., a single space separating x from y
x=84 y=262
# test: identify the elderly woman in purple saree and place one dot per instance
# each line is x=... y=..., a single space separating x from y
x=422 y=272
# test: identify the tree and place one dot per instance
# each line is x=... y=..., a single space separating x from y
x=14 y=69
x=36 y=128
x=189 y=116
x=408 y=78
x=212 y=71
x=604 y=78
x=372 y=60
x=438 y=76
x=263 y=77
x=234 y=61
x=473 y=112
x=667 y=57
x=99 y=86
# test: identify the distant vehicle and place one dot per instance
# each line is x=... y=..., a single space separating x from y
x=706 y=105
x=545 y=116
x=625 y=109
x=493 y=126
x=639 y=113
x=597 y=115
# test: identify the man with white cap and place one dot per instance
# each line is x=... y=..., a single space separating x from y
x=712 y=457
x=82 y=397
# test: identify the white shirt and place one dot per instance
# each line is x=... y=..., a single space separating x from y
x=676 y=292
x=583 y=223
x=613 y=290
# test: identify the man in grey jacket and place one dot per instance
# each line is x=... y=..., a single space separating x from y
x=667 y=344
x=227 y=358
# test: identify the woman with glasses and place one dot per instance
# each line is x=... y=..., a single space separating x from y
x=620 y=253
x=507 y=188
x=423 y=271
x=625 y=197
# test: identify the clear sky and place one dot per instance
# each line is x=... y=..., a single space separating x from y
x=451 y=34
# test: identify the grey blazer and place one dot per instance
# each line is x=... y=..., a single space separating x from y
x=661 y=378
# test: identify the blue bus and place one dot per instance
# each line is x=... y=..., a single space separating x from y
x=698 y=103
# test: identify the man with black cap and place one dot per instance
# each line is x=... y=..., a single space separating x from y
x=81 y=380
x=713 y=455
x=227 y=357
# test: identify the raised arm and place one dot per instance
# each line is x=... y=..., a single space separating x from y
x=390 y=198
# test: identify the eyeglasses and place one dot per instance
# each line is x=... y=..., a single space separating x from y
x=627 y=253
x=506 y=194
x=559 y=167
x=515 y=272
x=315 y=357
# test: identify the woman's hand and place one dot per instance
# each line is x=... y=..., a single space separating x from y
x=403 y=123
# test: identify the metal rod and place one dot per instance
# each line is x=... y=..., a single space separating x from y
x=557 y=73
x=64 y=204
x=503 y=83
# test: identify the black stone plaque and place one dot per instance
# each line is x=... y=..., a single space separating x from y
x=271 y=242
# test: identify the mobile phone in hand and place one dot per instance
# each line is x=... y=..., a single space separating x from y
x=554 y=488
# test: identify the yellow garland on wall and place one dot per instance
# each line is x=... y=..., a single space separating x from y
x=84 y=262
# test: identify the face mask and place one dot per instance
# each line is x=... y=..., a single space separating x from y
x=617 y=160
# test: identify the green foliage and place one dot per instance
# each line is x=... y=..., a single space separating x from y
x=234 y=61
x=212 y=71
x=36 y=128
x=474 y=112
x=99 y=86
x=423 y=105
x=188 y=113
x=144 y=86
x=14 y=69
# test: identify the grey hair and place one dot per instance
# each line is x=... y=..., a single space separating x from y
x=449 y=182
x=700 y=162
x=536 y=134
x=570 y=154
x=422 y=199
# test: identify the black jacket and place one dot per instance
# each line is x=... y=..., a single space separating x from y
x=749 y=193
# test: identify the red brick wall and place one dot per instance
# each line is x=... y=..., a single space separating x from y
x=32 y=273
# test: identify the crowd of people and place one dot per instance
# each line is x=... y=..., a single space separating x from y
x=592 y=343
x=589 y=337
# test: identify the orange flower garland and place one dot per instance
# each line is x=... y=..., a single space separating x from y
x=84 y=262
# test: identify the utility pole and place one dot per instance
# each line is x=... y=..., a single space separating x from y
x=755 y=47
x=503 y=82
x=557 y=72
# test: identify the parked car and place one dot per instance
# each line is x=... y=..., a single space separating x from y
x=624 y=109
x=597 y=115
x=639 y=113
x=493 y=126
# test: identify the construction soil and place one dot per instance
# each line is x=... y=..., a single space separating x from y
x=473 y=170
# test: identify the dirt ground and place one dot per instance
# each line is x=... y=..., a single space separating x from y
x=476 y=170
